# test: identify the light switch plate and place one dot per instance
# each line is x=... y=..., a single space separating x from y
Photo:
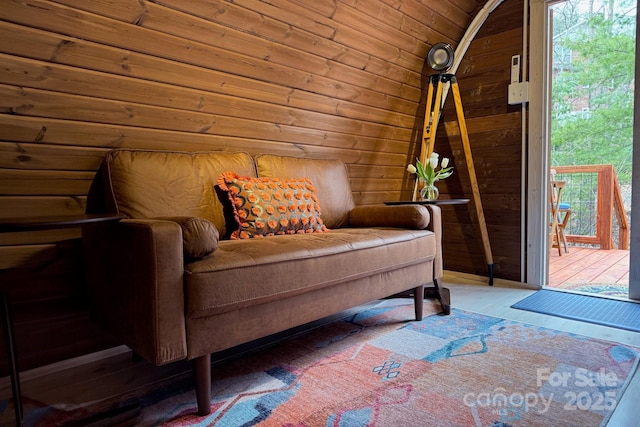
x=518 y=93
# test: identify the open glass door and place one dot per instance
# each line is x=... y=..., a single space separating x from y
x=592 y=58
x=538 y=153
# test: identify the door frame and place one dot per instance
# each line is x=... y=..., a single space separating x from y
x=634 y=268
x=537 y=236
x=538 y=154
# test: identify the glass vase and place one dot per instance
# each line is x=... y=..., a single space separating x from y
x=429 y=192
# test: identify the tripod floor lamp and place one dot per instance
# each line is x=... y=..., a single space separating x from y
x=440 y=58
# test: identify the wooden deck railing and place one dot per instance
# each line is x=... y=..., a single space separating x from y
x=609 y=202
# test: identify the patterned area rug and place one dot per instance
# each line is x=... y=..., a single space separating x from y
x=377 y=368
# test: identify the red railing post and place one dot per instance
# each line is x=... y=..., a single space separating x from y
x=618 y=204
x=604 y=228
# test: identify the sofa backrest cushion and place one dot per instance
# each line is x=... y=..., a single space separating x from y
x=329 y=177
x=153 y=184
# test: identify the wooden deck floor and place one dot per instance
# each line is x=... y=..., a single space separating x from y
x=588 y=266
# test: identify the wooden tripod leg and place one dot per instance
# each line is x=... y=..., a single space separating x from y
x=431 y=116
x=472 y=176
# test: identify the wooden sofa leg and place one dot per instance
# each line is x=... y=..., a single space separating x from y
x=202 y=373
x=418 y=301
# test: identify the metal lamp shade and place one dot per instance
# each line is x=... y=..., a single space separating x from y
x=440 y=57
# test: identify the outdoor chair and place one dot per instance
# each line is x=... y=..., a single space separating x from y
x=562 y=211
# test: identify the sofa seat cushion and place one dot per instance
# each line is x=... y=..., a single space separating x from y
x=243 y=273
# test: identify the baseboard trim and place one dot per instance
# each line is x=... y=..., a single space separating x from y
x=52 y=368
x=474 y=279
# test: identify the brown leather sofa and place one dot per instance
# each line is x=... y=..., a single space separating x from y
x=171 y=294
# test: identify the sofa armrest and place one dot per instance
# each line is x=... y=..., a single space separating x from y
x=135 y=272
x=415 y=217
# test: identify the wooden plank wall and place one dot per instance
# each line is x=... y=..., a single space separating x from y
x=312 y=78
x=495 y=134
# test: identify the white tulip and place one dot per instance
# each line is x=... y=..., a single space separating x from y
x=445 y=162
x=433 y=161
x=411 y=169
